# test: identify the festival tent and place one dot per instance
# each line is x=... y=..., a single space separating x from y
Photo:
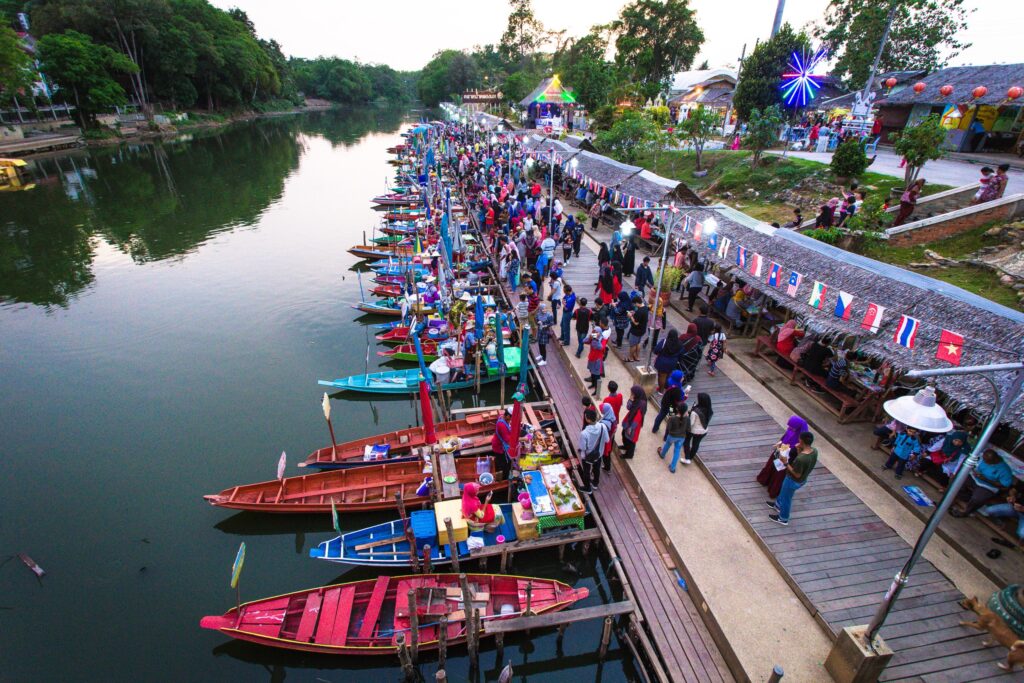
x=991 y=333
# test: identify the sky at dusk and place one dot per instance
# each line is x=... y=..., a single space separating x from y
x=405 y=33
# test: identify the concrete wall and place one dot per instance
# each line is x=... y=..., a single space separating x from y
x=956 y=222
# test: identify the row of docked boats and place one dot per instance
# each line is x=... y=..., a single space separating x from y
x=418 y=277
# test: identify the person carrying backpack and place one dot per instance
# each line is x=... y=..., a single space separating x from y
x=592 y=442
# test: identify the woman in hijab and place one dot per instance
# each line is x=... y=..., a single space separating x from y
x=734 y=309
x=636 y=408
x=673 y=397
x=771 y=477
x=788 y=337
x=603 y=255
x=666 y=358
x=699 y=417
x=622 y=310
x=616 y=238
x=609 y=421
x=605 y=290
x=689 y=357
x=628 y=258
x=616 y=256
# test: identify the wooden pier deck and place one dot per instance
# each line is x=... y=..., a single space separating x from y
x=670 y=617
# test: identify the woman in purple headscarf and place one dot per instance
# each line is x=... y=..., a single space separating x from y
x=769 y=475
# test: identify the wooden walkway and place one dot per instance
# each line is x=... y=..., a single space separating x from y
x=838 y=555
x=671 y=619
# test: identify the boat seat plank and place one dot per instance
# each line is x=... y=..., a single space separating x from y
x=373 y=608
x=310 y=617
x=328 y=614
x=346 y=601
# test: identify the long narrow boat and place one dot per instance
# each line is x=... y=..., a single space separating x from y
x=366 y=617
x=397 y=199
x=477 y=428
x=408 y=352
x=350 y=490
x=400 y=335
x=390 y=307
x=407 y=381
x=386 y=545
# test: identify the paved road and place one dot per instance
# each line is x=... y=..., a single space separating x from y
x=942 y=171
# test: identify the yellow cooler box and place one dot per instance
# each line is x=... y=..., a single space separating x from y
x=525 y=528
x=453 y=509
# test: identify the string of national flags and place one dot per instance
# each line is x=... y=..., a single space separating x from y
x=951 y=344
x=610 y=195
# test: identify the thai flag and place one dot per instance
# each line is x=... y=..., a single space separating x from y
x=755 y=265
x=795 y=279
x=741 y=257
x=773 y=275
x=873 y=318
x=906 y=331
x=844 y=306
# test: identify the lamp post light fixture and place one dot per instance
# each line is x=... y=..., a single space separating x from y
x=574 y=163
x=923 y=412
x=626 y=227
x=710 y=226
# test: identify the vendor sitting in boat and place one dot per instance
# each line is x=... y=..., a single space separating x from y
x=479 y=515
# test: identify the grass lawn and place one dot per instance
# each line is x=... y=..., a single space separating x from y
x=731 y=172
x=981 y=281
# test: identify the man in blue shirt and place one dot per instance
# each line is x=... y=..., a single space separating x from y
x=990 y=477
x=644 y=276
x=569 y=303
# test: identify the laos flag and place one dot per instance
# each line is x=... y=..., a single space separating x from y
x=906 y=331
x=773 y=275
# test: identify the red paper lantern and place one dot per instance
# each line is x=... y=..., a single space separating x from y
x=919 y=87
x=980 y=91
x=946 y=90
x=890 y=82
x=1014 y=92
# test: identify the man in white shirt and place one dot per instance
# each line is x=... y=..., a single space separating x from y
x=555 y=286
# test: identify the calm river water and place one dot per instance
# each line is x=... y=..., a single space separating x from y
x=165 y=312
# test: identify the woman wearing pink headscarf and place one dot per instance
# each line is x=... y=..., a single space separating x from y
x=788 y=337
x=479 y=514
x=771 y=477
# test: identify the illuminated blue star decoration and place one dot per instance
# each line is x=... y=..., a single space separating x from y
x=800 y=84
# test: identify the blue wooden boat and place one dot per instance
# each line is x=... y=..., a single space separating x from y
x=401 y=269
x=408 y=381
x=390 y=306
x=386 y=545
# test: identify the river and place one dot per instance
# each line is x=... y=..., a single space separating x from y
x=165 y=312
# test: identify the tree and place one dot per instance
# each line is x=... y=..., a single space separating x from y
x=698 y=128
x=704 y=66
x=849 y=160
x=920 y=144
x=923 y=35
x=87 y=70
x=654 y=40
x=15 y=64
x=762 y=130
x=628 y=137
x=523 y=34
x=762 y=71
x=446 y=76
x=583 y=67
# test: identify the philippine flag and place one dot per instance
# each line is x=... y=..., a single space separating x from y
x=741 y=257
x=756 y=263
x=844 y=306
x=723 y=248
x=817 y=299
x=951 y=346
x=873 y=318
x=773 y=275
x=795 y=279
x=906 y=331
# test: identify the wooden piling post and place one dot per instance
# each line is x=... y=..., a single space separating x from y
x=403 y=656
x=561 y=634
x=435 y=483
x=426 y=558
x=453 y=548
x=606 y=637
x=528 y=612
x=504 y=559
x=442 y=644
x=777 y=674
x=414 y=626
x=474 y=639
x=561 y=553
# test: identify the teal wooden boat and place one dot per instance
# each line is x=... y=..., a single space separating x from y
x=408 y=381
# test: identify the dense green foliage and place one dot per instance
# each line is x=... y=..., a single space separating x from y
x=849 y=160
x=923 y=36
x=920 y=144
x=628 y=137
x=347 y=82
x=446 y=76
x=14 y=63
x=87 y=70
x=581 y=65
x=656 y=39
x=762 y=130
x=762 y=71
x=698 y=128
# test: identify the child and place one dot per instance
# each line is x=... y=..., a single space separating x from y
x=523 y=309
x=906 y=446
x=986 y=178
x=716 y=348
x=544 y=323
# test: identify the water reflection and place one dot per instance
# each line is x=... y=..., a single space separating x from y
x=153 y=201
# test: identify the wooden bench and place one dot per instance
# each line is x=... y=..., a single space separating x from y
x=847 y=407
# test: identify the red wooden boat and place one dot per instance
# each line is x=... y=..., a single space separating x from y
x=366 y=617
x=387 y=290
x=477 y=427
x=350 y=490
x=400 y=335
